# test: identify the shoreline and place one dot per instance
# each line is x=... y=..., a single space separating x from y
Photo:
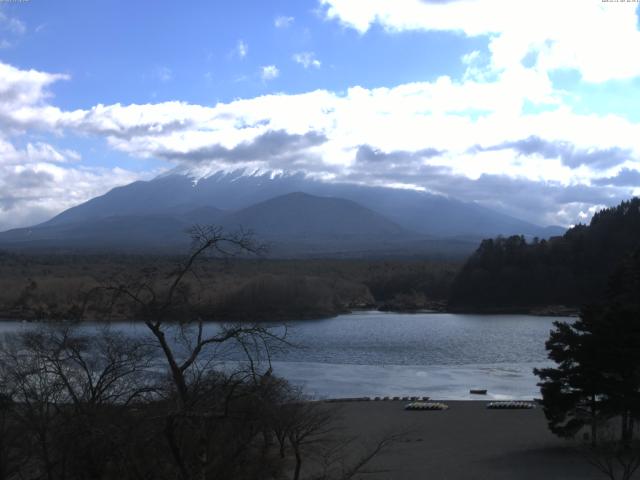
x=538 y=311
x=548 y=311
x=411 y=398
x=503 y=381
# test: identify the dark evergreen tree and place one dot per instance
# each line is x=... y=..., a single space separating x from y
x=572 y=270
x=597 y=376
x=571 y=392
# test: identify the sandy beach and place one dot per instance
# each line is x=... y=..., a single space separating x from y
x=467 y=441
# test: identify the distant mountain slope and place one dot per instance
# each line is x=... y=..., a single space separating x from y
x=297 y=215
x=510 y=273
x=123 y=232
x=156 y=196
x=416 y=211
x=295 y=224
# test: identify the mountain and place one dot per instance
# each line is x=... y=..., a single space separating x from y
x=136 y=232
x=299 y=224
x=571 y=270
x=415 y=210
x=295 y=223
x=300 y=214
x=291 y=210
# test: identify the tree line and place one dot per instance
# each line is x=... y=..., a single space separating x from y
x=515 y=274
x=256 y=288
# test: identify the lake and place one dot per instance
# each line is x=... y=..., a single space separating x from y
x=440 y=355
x=393 y=354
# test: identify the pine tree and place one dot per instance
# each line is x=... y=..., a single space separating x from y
x=571 y=392
x=597 y=376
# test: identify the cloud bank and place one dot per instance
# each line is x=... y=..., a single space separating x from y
x=419 y=135
x=588 y=36
x=501 y=135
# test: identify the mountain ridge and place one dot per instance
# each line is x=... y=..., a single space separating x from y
x=358 y=216
x=233 y=190
x=293 y=223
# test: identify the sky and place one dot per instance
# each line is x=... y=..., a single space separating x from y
x=531 y=108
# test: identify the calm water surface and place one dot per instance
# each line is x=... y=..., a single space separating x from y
x=377 y=338
x=375 y=353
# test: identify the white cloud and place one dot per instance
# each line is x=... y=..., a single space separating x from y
x=471 y=57
x=40 y=152
x=242 y=49
x=589 y=36
x=467 y=138
x=39 y=180
x=12 y=25
x=36 y=182
x=269 y=72
x=164 y=74
x=307 y=59
x=23 y=99
x=37 y=152
x=282 y=21
x=409 y=117
x=24 y=87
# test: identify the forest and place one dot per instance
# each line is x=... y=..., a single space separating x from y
x=513 y=274
x=62 y=286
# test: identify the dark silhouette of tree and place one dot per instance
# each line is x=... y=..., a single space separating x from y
x=571 y=391
x=512 y=273
x=611 y=460
x=597 y=378
x=163 y=303
x=169 y=308
x=11 y=437
x=62 y=386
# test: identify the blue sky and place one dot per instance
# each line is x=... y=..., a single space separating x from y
x=528 y=96
x=127 y=52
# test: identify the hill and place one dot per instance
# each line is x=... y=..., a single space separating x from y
x=572 y=270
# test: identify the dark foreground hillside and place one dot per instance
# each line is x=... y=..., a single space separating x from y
x=572 y=270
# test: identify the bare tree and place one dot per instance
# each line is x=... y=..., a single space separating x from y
x=311 y=430
x=66 y=385
x=612 y=457
x=337 y=465
x=11 y=437
x=102 y=367
x=170 y=310
x=163 y=302
x=308 y=426
x=38 y=396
